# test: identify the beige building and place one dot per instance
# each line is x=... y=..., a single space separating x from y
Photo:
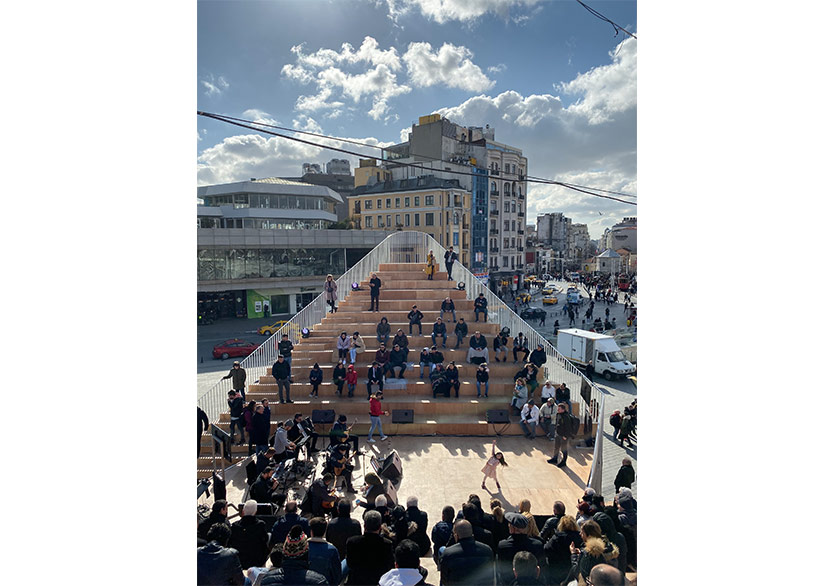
x=439 y=207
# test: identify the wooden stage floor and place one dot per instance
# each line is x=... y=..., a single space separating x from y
x=444 y=470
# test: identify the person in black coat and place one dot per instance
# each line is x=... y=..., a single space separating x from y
x=451 y=373
x=202 y=425
x=473 y=515
x=590 y=371
x=250 y=537
x=265 y=488
x=625 y=476
x=538 y=356
x=370 y=555
x=260 y=429
x=557 y=550
x=467 y=562
x=374 y=284
x=518 y=541
x=414 y=318
x=421 y=519
x=218 y=515
x=216 y=563
x=342 y=527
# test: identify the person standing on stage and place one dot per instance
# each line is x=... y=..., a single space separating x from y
x=489 y=469
x=374 y=284
x=375 y=410
x=449 y=259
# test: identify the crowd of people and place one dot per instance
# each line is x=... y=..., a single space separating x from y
x=476 y=545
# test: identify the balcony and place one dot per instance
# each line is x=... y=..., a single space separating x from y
x=520 y=248
x=521 y=196
x=494 y=232
x=494 y=250
x=494 y=192
x=520 y=232
x=494 y=212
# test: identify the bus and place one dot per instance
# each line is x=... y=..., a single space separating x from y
x=623 y=282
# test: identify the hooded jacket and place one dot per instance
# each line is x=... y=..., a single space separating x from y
x=596 y=551
x=351 y=375
x=383 y=328
x=625 y=476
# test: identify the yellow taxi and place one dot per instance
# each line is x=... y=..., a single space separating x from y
x=549 y=300
x=523 y=298
x=270 y=330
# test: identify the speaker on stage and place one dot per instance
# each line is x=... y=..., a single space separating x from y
x=391 y=493
x=392 y=468
x=402 y=415
x=323 y=416
x=219 y=487
x=497 y=416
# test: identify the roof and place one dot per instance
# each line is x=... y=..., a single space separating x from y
x=410 y=184
x=279 y=181
x=608 y=253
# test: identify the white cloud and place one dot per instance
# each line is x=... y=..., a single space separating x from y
x=450 y=66
x=494 y=69
x=379 y=82
x=238 y=158
x=608 y=89
x=214 y=87
x=442 y=11
x=591 y=142
x=257 y=115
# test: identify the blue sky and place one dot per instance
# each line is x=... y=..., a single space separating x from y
x=548 y=76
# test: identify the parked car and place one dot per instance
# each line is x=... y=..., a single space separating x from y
x=533 y=313
x=549 y=300
x=270 y=330
x=233 y=348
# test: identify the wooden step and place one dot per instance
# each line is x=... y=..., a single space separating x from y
x=410 y=284
x=415 y=387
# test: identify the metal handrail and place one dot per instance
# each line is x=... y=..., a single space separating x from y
x=412 y=247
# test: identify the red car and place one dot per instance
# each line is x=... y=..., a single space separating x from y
x=236 y=347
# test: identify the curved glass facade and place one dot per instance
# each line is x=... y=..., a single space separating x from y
x=215 y=264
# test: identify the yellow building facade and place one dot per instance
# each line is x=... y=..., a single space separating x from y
x=438 y=207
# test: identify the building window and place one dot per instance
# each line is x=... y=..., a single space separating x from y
x=407 y=201
x=455 y=218
x=504 y=261
x=368 y=204
x=388 y=202
x=507 y=243
x=397 y=220
x=379 y=204
x=397 y=202
x=417 y=202
x=379 y=221
x=417 y=219
x=507 y=188
x=455 y=238
x=388 y=221
x=506 y=208
x=429 y=200
x=513 y=206
x=507 y=170
x=408 y=217
x=368 y=222
x=430 y=219
x=513 y=169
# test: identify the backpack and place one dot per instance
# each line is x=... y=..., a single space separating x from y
x=574 y=425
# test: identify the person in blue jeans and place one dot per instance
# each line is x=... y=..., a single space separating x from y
x=447 y=306
x=425 y=361
x=482 y=375
x=439 y=329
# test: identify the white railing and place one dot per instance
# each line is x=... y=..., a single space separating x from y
x=413 y=247
x=596 y=473
x=398 y=247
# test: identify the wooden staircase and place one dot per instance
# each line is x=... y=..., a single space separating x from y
x=404 y=285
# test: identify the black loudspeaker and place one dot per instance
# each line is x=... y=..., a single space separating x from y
x=219 y=487
x=402 y=415
x=391 y=493
x=323 y=416
x=392 y=468
x=497 y=416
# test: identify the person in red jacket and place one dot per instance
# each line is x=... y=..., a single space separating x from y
x=375 y=410
x=351 y=379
